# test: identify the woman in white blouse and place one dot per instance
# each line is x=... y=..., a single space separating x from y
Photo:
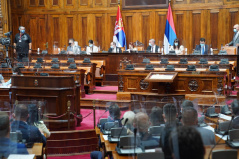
x=91 y=48
x=177 y=47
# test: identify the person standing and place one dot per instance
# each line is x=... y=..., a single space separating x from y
x=22 y=44
x=235 y=39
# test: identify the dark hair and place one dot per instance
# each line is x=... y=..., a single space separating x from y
x=170 y=112
x=21 y=112
x=202 y=39
x=156 y=116
x=33 y=114
x=235 y=107
x=189 y=116
x=72 y=39
x=4 y=124
x=187 y=104
x=174 y=43
x=186 y=143
x=114 y=111
x=91 y=41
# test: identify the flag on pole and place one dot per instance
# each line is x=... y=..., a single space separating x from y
x=170 y=33
x=119 y=34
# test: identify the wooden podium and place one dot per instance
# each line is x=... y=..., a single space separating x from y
x=231 y=50
x=56 y=92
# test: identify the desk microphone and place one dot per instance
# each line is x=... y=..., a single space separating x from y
x=226 y=132
x=126 y=120
x=102 y=115
x=135 y=134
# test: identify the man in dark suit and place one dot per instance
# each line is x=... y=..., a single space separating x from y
x=202 y=47
x=235 y=39
x=8 y=147
x=30 y=133
x=114 y=49
x=152 y=47
x=235 y=112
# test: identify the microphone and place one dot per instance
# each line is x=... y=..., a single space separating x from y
x=126 y=120
x=102 y=115
x=226 y=132
x=135 y=133
x=116 y=122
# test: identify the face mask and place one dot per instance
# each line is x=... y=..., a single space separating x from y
x=176 y=44
x=22 y=31
x=202 y=45
x=70 y=44
x=235 y=30
x=111 y=47
x=150 y=44
x=91 y=45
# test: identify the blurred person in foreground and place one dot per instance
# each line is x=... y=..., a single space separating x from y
x=129 y=125
x=156 y=116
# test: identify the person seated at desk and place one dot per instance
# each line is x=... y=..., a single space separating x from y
x=235 y=112
x=185 y=146
x=235 y=39
x=1 y=79
x=91 y=48
x=132 y=48
x=15 y=71
x=202 y=47
x=177 y=47
x=114 y=49
x=30 y=133
x=156 y=116
x=8 y=147
x=73 y=47
x=190 y=118
x=152 y=47
x=129 y=125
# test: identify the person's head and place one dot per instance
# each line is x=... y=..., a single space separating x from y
x=186 y=104
x=113 y=45
x=21 y=112
x=156 y=116
x=202 y=41
x=91 y=42
x=141 y=122
x=169 y=113
x=189 y=117
x=176 y=43
x=16 y=71
x=22 y=29
x=186 y=143
x=131 y=45
x=151 y=42
x=71 y=42
x=235 y=107
x=114 y=111
x=130 y=116
x=236 y=28
x=4 y=125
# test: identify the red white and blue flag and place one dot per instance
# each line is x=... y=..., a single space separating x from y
x=119 y=34
x=170 y=33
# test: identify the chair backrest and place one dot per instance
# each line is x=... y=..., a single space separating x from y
x=150 y=155
x=234 y=134
x=156 y=130
x=222 y=154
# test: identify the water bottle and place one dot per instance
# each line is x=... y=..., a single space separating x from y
x=211 y=51
x=186 y=51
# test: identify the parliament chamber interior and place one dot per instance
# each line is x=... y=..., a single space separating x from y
x=119 y=79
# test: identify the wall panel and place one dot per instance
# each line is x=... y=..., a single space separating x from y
x=196 y=29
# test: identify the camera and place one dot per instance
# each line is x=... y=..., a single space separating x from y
x=6 y=41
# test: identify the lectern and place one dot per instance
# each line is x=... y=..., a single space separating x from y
x=60 y=94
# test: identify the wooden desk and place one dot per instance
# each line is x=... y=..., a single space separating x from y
x=36 y=149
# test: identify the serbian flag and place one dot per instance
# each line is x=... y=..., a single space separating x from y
x=170 y=33
x=119 y=34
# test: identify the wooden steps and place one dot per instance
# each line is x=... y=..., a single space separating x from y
x=104 y=92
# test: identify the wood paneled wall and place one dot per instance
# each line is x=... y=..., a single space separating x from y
x=55 y=21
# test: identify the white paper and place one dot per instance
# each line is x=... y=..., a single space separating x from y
x=225 y=117
x=158 y=76
x=21 y=156
x=150 y=150
x=126 y=151
x=105 y=137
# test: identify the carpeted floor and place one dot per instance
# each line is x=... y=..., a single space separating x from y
x=101 y=96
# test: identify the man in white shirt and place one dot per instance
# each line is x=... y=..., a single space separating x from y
x=114 y=49
x=91 y=48
x=73 y=47
x=152 y=47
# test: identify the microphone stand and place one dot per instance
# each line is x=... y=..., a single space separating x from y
x=126 y=120
x=135 y=134
x=102 y=115
x=221 y=137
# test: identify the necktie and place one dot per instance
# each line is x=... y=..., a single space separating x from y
x=203 y=50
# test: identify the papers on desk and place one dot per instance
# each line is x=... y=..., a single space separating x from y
x=225 y=117
x=131 y=151
x=150 y=150
x=5 y=86
x=158 y=76
x=105 y=137
x=218 y=135
x=21 y=156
